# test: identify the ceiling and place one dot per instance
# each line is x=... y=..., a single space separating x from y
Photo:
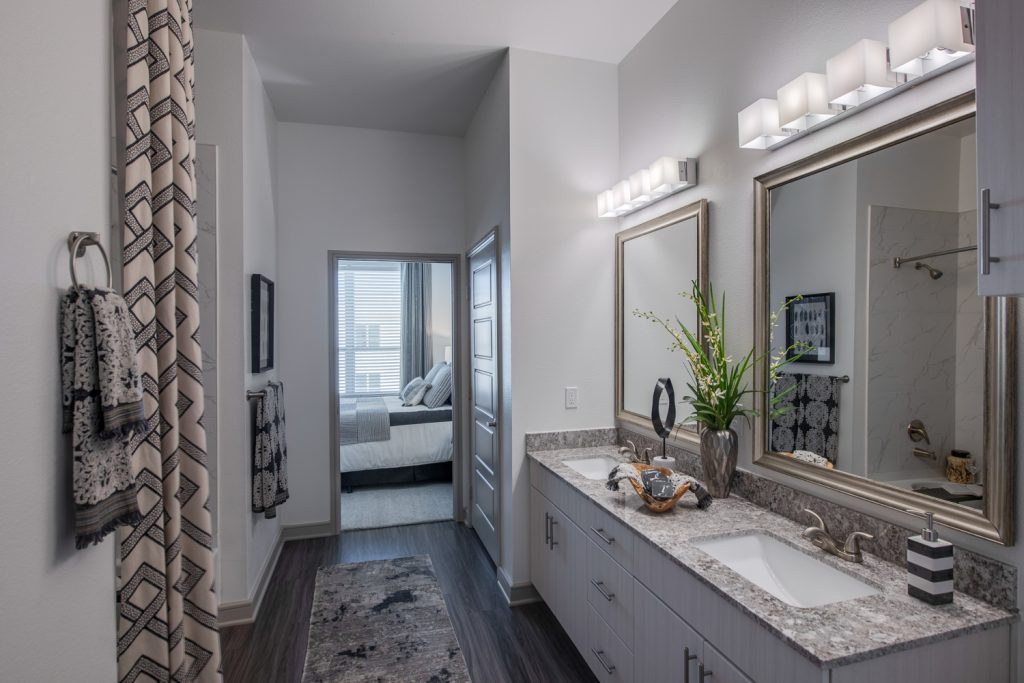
x=413 y=65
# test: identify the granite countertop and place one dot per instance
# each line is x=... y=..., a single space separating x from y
x=831 y=635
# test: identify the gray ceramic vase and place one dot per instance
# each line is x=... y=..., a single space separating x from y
x=718 y=456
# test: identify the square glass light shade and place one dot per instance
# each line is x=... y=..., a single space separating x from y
x=803 y=102
x=759 y=125
x=640 y=187
x=859 y=73
x=934 y=33
x=606 y=205
x=622 y=199
x=667 y=175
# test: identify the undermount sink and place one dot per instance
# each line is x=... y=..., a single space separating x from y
x=796 y=578
x=593 y=468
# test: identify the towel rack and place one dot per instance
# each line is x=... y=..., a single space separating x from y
x=845 y=379
x=255 y=393
x=77 y=242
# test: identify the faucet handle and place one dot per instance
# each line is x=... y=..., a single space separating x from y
x=820 y=523
x=628 y=449
x=852 y=544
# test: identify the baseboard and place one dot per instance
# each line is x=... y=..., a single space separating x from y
x=517 y=594
x=300 y=532
x=245 y=611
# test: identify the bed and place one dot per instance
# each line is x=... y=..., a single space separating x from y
x=384 y=442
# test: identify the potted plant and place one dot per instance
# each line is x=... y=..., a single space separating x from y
x=718 y=383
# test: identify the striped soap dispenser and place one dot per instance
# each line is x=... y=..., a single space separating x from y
x=929 y=564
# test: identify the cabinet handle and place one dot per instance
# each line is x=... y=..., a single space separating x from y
x=985 y=206
x=552 y=543
x=547 y=529
x=610 y=668
x=600 y=534
x=702 y=673
x=599 y=585
x=687 y=657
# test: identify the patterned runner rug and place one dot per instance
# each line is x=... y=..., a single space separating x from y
x=381 y=621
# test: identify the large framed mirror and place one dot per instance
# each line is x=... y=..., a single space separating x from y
x=655 y=263
x=903 y=388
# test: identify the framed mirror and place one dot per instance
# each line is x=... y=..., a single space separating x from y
x=655 y=262
x=902 y=387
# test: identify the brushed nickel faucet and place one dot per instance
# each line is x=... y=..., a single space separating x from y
x=635 y=455
x=820 y=536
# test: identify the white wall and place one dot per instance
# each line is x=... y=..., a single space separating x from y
x=346 y=189
x=233 y=112
x=562 y=132
x=666 y=108
x=58 y=603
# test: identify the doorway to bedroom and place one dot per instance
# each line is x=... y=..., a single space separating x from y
x=395 y=388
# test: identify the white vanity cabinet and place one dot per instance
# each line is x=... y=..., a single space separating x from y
x=635 y=614
x=1000 y=98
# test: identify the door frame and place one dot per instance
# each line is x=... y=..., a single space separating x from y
x=493 y=236
x=334 y=472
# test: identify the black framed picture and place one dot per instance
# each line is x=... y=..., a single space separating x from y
x=262 y=326
x=811 y=322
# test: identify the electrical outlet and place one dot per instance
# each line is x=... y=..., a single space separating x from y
x=572 y=397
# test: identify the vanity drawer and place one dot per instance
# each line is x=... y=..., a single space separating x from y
x=610 y=592
x=610 y=535
x=608 y=657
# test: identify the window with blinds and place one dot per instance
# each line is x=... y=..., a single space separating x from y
x=369 y=327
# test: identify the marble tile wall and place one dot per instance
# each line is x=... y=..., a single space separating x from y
x=206 y=191
x=970 y=346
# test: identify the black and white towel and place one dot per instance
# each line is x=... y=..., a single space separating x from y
x=269 y=453
x=363 y=420
x=808 y=418
x=102 y=405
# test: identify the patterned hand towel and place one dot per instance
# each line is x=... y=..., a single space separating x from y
x=269 y=453
x=102 y=407
x=628 y=471
x=809 y=420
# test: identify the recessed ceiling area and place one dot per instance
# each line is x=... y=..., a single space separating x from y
x=419 y=66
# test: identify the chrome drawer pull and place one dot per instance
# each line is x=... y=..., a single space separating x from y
x=599 y=585
x=553 y=542
x=547 y=529
x=600 y=534
x=686 y=664
x=610 y=668
x=985 y=258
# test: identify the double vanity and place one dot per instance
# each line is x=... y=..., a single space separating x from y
x=734 y=593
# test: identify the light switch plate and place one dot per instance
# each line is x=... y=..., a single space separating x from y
x=572 y=397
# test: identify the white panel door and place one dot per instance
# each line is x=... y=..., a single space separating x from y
x=483 y=331
x=1000 y=89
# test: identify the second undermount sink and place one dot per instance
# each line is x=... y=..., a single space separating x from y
x=796 y=578
x=593 y=468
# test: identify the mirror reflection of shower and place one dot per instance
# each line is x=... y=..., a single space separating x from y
x=933 y=273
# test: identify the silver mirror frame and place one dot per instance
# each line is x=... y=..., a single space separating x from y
x=699 y=210
x=995 y=522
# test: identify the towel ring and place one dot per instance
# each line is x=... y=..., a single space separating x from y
x=77 y=242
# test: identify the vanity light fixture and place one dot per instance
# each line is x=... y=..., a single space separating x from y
x=859 y=73
x=933 y=34
x=665 y=176
x=803 y=102
x=759 y=125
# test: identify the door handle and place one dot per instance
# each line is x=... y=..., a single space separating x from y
x=492 y=423
x=610 y=668
x=703 y=673
x=600 y=534
x=687 y=657
x=553 y=542
x=599 y=585
x=985 y=206
x=547 y=529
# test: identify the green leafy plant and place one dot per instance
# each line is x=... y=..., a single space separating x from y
x=718 y=383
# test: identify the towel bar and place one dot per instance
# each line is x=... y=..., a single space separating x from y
x=253 y=393
x=77 y=242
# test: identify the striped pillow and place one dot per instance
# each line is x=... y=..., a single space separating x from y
x=432 y=375
x=415 y=392
x=440 y=388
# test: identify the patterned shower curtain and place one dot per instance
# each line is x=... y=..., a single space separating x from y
x=168 y=609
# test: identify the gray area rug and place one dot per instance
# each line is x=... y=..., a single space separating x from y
x=381 y=621
x=374 y=507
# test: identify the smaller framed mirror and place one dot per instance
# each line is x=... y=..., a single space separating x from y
x=655 y=264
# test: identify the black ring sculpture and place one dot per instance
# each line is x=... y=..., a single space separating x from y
x=664 y=430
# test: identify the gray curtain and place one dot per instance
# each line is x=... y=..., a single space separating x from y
x=416 y=351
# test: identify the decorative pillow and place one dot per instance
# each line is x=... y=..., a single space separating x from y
x=404 y=393
x=431 y=376
x=440 y=388
x=416 y=394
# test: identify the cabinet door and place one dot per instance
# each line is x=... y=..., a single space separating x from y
x=540 y=550
x=568 y=569
x=664 y=647
x=718 y=669
x=1000 y=89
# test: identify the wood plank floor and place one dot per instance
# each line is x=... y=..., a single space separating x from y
x=500 y=643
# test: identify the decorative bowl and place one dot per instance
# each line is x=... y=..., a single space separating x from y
x=654 y=504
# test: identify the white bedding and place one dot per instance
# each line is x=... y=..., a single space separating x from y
x=418 y=444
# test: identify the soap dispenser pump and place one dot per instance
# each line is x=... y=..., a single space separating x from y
x=929 y=564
